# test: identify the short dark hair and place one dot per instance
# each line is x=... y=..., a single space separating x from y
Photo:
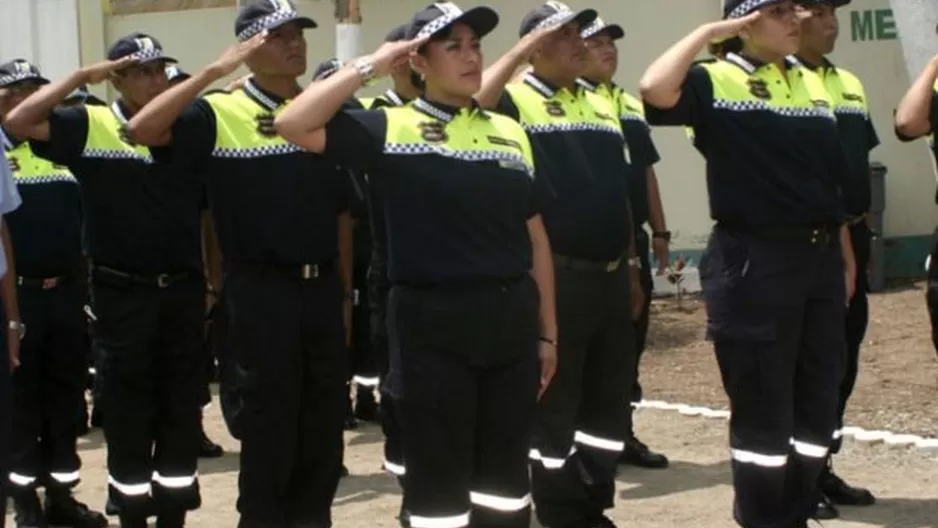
x=720 y=49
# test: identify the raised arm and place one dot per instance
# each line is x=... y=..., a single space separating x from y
x=30 y=119
x=506 y=67
x=153 y=124
x=913 y=116
x=304 y=120
x=662 y=83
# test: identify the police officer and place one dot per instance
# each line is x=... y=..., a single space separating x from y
x=777 y=269
x=143 y=230
x=51 y=377
x=276 y=209
x=818 y=36
x=13 y=330
x=464 y=239
x=602 y=62
x=916 y=117
x=580 y=151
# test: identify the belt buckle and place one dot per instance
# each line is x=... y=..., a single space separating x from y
x=48 y=284
x=310 y=271
x=162 y=280
x=612 y=266
x=815 y=233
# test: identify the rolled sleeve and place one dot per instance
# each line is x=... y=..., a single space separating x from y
x=696 y=99
x=68 y=133
x=355 y=139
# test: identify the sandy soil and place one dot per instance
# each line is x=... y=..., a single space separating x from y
x=896 y=391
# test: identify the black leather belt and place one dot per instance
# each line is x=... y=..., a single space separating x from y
x=160 y=280
x=286 y=271
x=580 y=264
x=47 y=283
x=815 y=235
x=475 y=283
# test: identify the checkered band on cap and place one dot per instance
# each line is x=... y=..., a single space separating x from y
x=592 y=29
x=562 y=12
x=747 y=7
x=148 y=54
x=449 y=12
x=10 y=79
x=267 y=22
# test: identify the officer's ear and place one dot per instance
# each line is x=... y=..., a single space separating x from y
x=419 y=64
x=116 y=80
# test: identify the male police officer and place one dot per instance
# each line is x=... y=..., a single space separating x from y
x=601 y=66
x=51 y=377
x=143 y=229
x=818 y=36
x=579 y=148
x=278 y=227
x=14 y=330
x=917 y=116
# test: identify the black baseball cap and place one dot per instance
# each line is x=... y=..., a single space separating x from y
x=832 y=3
x=555 y=14
x=264 y=15
x=397 y=34
x=598 y=26
x=326 y=68
x=174 y=74
x=140 y=46
x=441 y=15
x=19 y=70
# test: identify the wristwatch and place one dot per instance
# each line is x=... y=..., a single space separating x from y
x=365 y=69
x=18 y=327
x=635 y=262
x=663 y=235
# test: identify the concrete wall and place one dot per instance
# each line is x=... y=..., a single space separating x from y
x=44 y=32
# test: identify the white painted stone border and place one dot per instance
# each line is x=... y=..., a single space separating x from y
x=857 y=434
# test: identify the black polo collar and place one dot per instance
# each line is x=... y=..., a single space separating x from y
x=446 y=113
x=825 y=65
x=751 y=64
x=545 y=87
x=262 y=97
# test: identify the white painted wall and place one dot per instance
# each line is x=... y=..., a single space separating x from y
x=197 y=37
x=45 y=32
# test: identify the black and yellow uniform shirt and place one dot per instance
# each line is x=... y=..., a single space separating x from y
x=458 y=188
x=582 y=168
x=857 y=133
x=46 y=229
x=140 y=216
x=770 y=138
x=641 y=148
x=273 y=202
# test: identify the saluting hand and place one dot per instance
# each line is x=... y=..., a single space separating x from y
x=393 y=54
x=727 y=29
x=548 y=355
x=101 y=71
x=530 y=42
x=235 y=55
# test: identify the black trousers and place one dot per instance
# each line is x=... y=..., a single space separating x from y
x=46 y=387
x=583 y=416
x=362 y=362
x=858 y=316
x=6 y=420
x=642 y=246
x=775 y=313
x=378 y=290
x=466 y=357
x=287 y=345
x=931 y=295
x=149 y=341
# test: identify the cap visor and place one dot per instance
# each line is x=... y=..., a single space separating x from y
x=585 y=17
x=614 y=31
x=35 y=79
x=161 y=58
x=301 y=21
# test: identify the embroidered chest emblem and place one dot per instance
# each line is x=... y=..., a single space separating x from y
x=852 y=97
x=265 y=125
x=14 y=163
x=758 y=88
x=433 y=131
x=554 y=109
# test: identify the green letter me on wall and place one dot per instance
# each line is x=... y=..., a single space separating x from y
x=872 y=24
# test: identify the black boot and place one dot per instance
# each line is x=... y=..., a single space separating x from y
x=28 y=510
x=637 y=454
x=171 y=520
x=825 y=511
x=350 y=421
x=133 y=521
x=366 y=408
x=839 y=492
x=209 y=449
x=62 y=509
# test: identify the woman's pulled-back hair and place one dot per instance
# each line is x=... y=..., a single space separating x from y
x=720 y=49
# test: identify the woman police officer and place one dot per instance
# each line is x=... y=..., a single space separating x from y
x=773 y=270
x=469 y=263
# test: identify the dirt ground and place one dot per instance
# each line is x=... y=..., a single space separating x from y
x=896 y=391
